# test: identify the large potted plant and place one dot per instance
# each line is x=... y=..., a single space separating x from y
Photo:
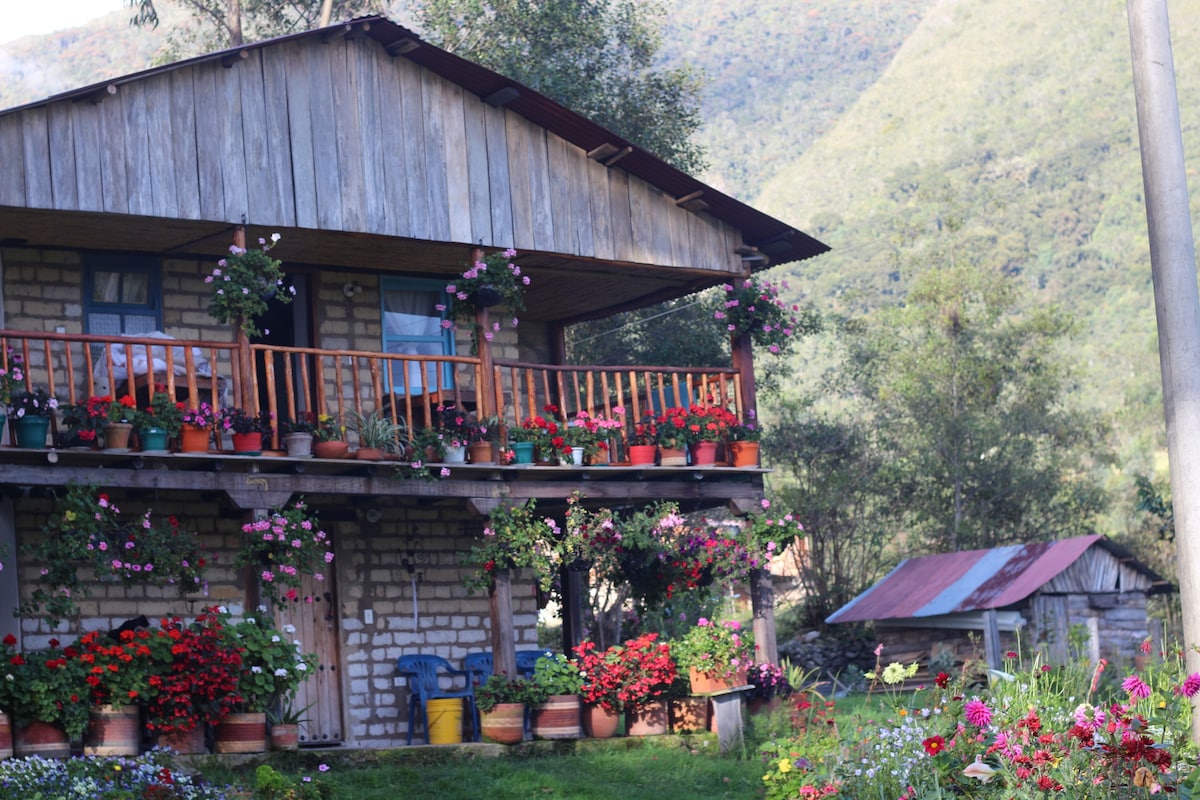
x=715 y=655
x=743 y=441
x=651 y=671
x=501 y=701
x=602 y=689
x=47 y=698
x=643 y=442
x=119 y=673
x=30 y=412
x=377 y=435
x=196 y=680
x=196 y=428
x=242 y=282
x=558 y=680
x=160 y=422
x=481 y=436
x=122 y=417
x=514 y=536
x=272 y=669
x=84 y=421
x=671 y=437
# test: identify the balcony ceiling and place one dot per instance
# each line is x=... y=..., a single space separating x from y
x=565 y=289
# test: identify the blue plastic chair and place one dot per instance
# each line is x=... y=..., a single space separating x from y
x=527 y=660
x=424 y=675
x=479 y=665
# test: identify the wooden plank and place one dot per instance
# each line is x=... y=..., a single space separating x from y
x=300 y=121
x=137 y=151
x=662 y=209
x=476 y=164
x=278 y=162
x=234 y=189
x=164 y=193
x=498 y=177
x=601 y=207
x=114 y=182
x=643 y=220
x=89 y=188
x=262 y=203
x=413 y=142
x=622 y=224
x=562 y=206
x=12 y=170
x=184 y=133
x=539 y=180
x=208 y=144
x=36 y=154
x=393 y=166
x=579 y=186
x=63 y=181
x=324 y=136
x=437 y=192
x=520 y=181
x=361 y=62
x=458 y=184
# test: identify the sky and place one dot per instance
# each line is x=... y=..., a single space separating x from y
x=26 y=18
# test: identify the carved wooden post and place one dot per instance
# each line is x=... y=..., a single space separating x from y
x=245 y=367
x=504 y=649
x=743 y=362
x=485 y=392
x=762 y=601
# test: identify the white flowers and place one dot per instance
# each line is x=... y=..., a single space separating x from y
x=979 y=770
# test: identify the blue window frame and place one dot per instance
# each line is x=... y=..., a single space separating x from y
x=122 y=294
x=412 y=324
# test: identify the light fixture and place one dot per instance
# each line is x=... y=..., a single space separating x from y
x=351 y=289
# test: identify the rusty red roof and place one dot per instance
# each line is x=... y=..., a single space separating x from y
x=973 y=580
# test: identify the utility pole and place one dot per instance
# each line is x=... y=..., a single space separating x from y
x=1177 y=306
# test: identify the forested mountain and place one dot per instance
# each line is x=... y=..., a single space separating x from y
x=999 y=133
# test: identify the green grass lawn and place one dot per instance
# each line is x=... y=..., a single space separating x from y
x=627 y=769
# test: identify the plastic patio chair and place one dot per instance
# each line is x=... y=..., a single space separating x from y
x=424 y=673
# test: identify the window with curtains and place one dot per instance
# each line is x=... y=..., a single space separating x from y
x=412 y=324
x=122 y=294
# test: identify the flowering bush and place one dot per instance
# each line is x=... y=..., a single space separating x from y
x=242 y=282
x=46 y=686
x=768 y=680
x=237 y=420
x=748 y=430
x=35 y=402
x=717 y=649
x=707 y=424
x=493 y=281
x=118 y=671
x=197 y=676
x=284 y=546
x=503 y=689
x=86 y=532
x=671 y=429
x=12 y=376
x=123 y=409
x=84 y=420
x=163 y=412
x=592 y=433
x=515 y=536
x=202 y=416
x=272 y=668
x=539 y=430
x=645 y=431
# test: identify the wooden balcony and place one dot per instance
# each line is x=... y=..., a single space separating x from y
x=288 y=381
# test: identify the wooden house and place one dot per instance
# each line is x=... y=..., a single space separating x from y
x=1046 y=594
x=384 y=163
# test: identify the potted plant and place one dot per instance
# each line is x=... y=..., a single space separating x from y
x=715 y=655
x=272 y=669
x=429 y=444
x=122 y=416
x=298 y=434
x=30 y=411
x=284 y=546
x=456 y=430
x=515 y=536
x=119 y=672
x=196 y=428
x=643 y=442
x=283 y=724
x=743 y=441
x=242 y=282
x=531 y=437
x=481 y=436
x=248 y=429
x=330 y=438
x=671 y=437
x=47 y=698
x=705 y=428
x=651 y=669
x=84 y=421
x=558 y=682
x=501 y=701
x=160 y=421
x=196 y=681
x=377 y=435
x=602 y=689
x=494 y=280
x=771 y=687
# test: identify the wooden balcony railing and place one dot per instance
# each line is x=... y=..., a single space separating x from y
x=289 y=381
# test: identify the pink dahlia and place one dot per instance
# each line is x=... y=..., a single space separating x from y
x=1191 y=684
x=977 y=713
x=1135 y=687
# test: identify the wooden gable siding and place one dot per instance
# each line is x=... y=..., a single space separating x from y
x=1097 y=570
x=340 y=136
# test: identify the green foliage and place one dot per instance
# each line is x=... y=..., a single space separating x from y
x=243 y=281
x=515 y=536
x=272 y=666
x=597 y=57
x=554 y=673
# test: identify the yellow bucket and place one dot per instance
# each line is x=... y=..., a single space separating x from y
x=445 y=720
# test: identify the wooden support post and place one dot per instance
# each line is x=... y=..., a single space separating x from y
x=504 y=649
x=245 y=358
x=574 y=590
x=762 y=601
x=991 y=639
x=743 y=362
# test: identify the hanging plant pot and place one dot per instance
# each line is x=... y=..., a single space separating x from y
x=485 y=297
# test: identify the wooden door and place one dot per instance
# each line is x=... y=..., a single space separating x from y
x=316 y=628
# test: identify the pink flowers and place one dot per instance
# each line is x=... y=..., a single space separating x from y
x=977 y=713
x=1135 y=687
x=1191 y=685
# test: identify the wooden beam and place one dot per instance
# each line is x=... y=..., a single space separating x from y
x=504 y=646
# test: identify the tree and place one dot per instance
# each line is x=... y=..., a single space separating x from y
x=230 y=23
x=968 y=392
x=597 y=57
x=677 y=333
x=834 y=480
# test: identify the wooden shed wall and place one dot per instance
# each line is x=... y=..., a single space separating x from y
x=341 y=136
x=1097 y=570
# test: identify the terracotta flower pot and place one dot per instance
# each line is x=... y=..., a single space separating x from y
x=557 y=718
x=480 y=453
x=689 y=714
x=706 y=682
x=672 y=457
x=642 y=455
x=744 y=454
x=647 y=719
x=248 y=443
x=704 y=454
x=369 y=454
x=116 y=436
x=599 y=723
x=41 y=739
x=285 y=736
x=113 y=731
x=334 y=449
x=504 y=724
x=185 y=742
x=193 y=439
x=242 y=733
